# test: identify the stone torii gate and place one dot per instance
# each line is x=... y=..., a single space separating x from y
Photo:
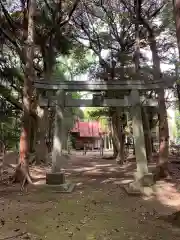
x=133 y=100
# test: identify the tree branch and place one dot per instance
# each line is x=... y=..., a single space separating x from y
x=154 y=14
x=5 y=94
x=70 y=13
x=14 y=43
x=7 y=16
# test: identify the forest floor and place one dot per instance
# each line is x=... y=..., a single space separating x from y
x=98 y=208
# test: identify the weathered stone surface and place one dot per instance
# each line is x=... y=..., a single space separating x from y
x=146 y=181
x=135 y=189
x=132 y=190
x=55 y=178
x=66 y=187
x=141 y=185
x=138 y=134
x=104 y=86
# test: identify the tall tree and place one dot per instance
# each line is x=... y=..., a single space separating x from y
x=176 y=7
x=99 y=23
x=52 y=37
x=29 y=9
x=163 y=122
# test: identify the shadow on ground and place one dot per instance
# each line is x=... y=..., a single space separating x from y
x=97 y=209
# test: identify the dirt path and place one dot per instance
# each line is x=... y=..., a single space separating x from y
x=97 y=209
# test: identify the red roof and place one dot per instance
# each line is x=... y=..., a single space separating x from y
x=87 y=129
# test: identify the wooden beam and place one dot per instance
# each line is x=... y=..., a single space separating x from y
x=69 y=102
x=103 y=86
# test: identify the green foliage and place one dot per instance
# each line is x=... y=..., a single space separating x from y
x=10 y=129
x=78 y=113
x=59 y=72
x=78 y=62
x=56 y=47
x=167 y=18
x=83 y=59
x=97 y=113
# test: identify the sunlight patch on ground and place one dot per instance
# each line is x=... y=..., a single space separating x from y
x=129 y=173
x=113 y=169
x=81 y=169
x=103 y=165
x=108 y=180
x=97 y=209
x=123 y=181
x=94 y=172
x=40 y=182
x=125 y=166
x=168 y=195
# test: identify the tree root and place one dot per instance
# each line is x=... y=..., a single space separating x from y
x=109 y=157
x=14 y=236
x=22 y=175
x=119 y=161
x=162 y=172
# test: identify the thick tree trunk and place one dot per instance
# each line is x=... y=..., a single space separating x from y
x=50 y=130
x=151 y=126
x=23 y=167
x=115 y=150
x=22 y=171
x=41 y=146
x=177 y=70
x=114 y=138
x=119 y=138
x=43 y=117
x=33 y=130
x=176 y=6
x=147 y=134
x=163 y=121
x=43 y=121
x=137 y=113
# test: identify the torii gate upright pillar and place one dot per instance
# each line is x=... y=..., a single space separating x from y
x=56 y=177
x=142 y=176
x=138 y=134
